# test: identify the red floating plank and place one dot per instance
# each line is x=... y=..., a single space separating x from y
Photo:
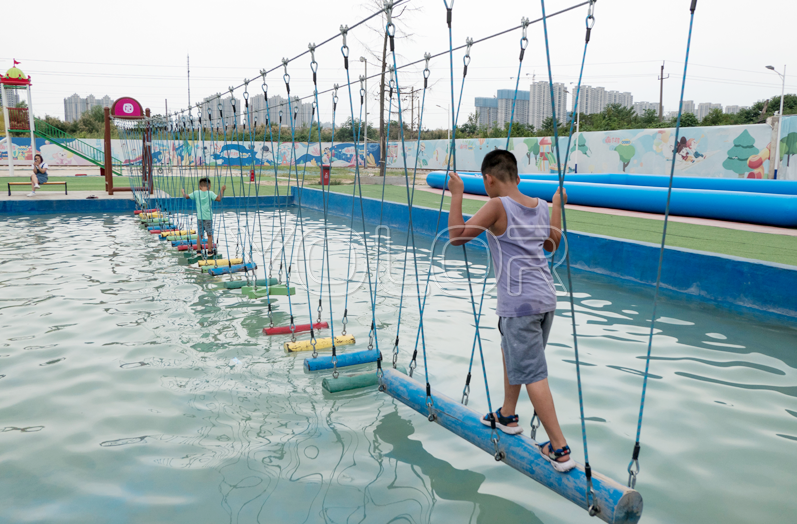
x=298 y=328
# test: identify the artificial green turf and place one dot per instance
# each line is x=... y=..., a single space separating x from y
x=758 y=246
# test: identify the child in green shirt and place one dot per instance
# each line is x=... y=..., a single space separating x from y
x=204 y=212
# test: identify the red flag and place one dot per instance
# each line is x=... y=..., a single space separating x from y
x=16 y=63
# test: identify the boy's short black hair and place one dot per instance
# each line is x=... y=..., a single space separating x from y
x=500 y=164
x=204 y=182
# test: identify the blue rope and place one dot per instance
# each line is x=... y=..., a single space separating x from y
x=633 y=466
x=590 y=496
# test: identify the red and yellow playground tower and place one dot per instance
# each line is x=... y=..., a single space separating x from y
x=17 y=118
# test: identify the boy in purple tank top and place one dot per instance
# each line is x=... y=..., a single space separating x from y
x=518 y=229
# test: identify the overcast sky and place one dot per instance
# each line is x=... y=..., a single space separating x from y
x=139 y=49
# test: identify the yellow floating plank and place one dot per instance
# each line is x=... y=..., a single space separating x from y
x=220 y=263
x=144 y=216
x=320 y=344
x=174 y=233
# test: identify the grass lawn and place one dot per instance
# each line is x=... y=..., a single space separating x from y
x=759 y=246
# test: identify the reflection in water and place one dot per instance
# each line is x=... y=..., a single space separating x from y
x=128 y=367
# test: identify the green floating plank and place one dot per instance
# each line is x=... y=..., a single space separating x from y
x=350 y=381
x=251 y=292
x=238 y=284
x=181 y=237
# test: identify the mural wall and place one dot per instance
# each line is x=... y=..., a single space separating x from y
x=726 y=151
x=190 y=153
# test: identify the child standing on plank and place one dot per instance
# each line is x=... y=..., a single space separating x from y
x=518 y=229
x=204 y=213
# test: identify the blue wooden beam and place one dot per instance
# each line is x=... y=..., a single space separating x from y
x=354 y=358
x=225 y=270
x=618 y=504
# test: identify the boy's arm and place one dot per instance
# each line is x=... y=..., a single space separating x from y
x=459 y=231
x=555 y=236
x=184 y=195
x=221 y=194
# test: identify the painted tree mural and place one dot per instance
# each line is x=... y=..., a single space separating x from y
x=743 y=148
x=788 y=147
x=581 y=144
x=533 y=147
x=626 y=152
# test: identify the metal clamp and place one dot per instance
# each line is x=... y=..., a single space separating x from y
x=466 y=58
x=426 y=71
x=535 y=425
x=286 y=77
x=524 y=41
x=633 y=471
x=344 y=31
x=465 y=395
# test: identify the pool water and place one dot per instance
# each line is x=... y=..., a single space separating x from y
x=133 y=390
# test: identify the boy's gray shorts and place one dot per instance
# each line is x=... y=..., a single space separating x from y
x=523 y=341
x=204 y=226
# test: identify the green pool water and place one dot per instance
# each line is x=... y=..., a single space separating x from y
x=120 y=400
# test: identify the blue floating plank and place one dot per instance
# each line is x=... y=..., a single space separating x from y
x=216 y=271
x=354 y=358
x=617 y=503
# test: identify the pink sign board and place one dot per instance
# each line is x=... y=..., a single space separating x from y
x=127 y=107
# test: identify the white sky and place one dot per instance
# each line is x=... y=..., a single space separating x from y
x=142 y=51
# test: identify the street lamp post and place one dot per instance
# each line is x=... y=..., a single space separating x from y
x=780 y=116
x=448 y=119
x=365 y=153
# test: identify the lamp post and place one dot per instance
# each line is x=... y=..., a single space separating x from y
x=365 y=154
x=448 y=119
x=780 y=116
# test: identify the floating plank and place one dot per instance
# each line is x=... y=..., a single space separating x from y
x=161 y=228
x=140 y=211
x=320 y=344
x=172 y=232
x=186 y=247
x=260 y=292
x=618 y=504
x=221 y=262
x=350 y=381
x=194 y=258
x=344 y=360
x=298 y=328
x=216 y=271
x=180 y=237
x=238 y=284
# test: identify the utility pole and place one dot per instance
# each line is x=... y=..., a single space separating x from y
x=188 y=68
x=412 y=110
x=662 y=78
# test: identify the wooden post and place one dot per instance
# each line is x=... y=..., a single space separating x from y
x=108 y=169
x=147 y=157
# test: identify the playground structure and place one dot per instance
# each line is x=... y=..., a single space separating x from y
x=21 y=119
x=18 y=119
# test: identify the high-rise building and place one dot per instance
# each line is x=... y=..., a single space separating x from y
x=733 y=110
x=506 y=99
x=689 y=106
x=487 y=111
x=616 y=97
x=540 y=102
x=224 y=116
x=12 y=95
x=593 y=100
x=74 y=106
x=641 y=107
x=705 y=108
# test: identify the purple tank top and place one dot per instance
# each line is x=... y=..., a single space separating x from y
x=524 y=282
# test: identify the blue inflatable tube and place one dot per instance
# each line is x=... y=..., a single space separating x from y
x=755 y=208
x=354 y=358
x=216 y=271
x=747 y=185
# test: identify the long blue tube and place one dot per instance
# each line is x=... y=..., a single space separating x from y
x=756 y=208
x=216 y=271
x=747 y=185
x=617 y=503
x=354 y=358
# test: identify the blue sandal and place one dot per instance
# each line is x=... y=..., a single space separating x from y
x=553 y=456
x=502 y=423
